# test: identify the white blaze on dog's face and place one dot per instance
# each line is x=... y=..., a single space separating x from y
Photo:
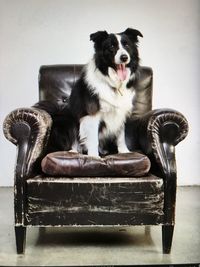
x=122 y=56
x=121 y=59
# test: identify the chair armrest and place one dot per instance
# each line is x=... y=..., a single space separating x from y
x=159 y=131
x=29 y=129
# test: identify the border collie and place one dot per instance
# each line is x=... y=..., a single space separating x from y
x=103 y=96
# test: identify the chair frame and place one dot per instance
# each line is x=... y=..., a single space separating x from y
x=158 y=131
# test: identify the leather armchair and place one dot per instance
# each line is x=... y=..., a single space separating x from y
x=111 y=199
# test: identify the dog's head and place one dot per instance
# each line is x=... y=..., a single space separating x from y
x=118 y=51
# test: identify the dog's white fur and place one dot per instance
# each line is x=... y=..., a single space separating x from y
x=115 y=105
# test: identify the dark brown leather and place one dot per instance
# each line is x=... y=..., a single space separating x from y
x=29 y=129
x=72 y=164
x=56 y=83
x=94 y=201
x=157 y=130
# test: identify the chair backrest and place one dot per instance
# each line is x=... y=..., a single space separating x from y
x=57 y=81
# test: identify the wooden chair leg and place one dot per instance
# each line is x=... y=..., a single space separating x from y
x=167 y=236
x=20 y=235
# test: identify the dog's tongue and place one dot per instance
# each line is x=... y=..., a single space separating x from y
x=121 y=71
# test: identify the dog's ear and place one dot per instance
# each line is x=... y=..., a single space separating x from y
x=133 y=34
x=98 y=37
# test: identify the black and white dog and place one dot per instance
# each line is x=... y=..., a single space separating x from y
x=103 y=97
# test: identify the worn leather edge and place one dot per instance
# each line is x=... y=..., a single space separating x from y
x=149 y=128
x=155 y=130
x=159 y=117
x=38 y=121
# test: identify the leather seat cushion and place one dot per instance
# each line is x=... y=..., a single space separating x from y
x=72 y=164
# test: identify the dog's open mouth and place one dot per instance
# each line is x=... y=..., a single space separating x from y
x=122 y=71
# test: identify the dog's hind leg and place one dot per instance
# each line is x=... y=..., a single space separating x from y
x=89 y=126
x=121 y=143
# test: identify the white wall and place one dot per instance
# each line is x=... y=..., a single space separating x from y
x=35 y=32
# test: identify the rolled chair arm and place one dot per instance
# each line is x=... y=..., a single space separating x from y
x=159 y=131
x=29 y=129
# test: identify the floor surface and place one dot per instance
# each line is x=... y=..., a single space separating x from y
x=103 y=246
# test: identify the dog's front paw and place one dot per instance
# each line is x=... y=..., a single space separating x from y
x=123 y=150
x=94 y=155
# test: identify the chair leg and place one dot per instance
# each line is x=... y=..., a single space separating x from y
x=147 y=230
x=20 y=235
x=167 y=235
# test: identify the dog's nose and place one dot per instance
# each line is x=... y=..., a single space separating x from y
x=123 y=58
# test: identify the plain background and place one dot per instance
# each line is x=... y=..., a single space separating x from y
x=35 y=33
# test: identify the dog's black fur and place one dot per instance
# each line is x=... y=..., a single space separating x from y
x=64 y=130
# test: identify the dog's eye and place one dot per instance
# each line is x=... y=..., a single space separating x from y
x=112 y=48
x=125 y=44
x=64 y=99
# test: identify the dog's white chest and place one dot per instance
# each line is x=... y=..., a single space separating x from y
x=115 y=108
x=112 y=101
x=115 y=104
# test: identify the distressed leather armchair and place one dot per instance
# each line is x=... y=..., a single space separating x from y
x=133 y=189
